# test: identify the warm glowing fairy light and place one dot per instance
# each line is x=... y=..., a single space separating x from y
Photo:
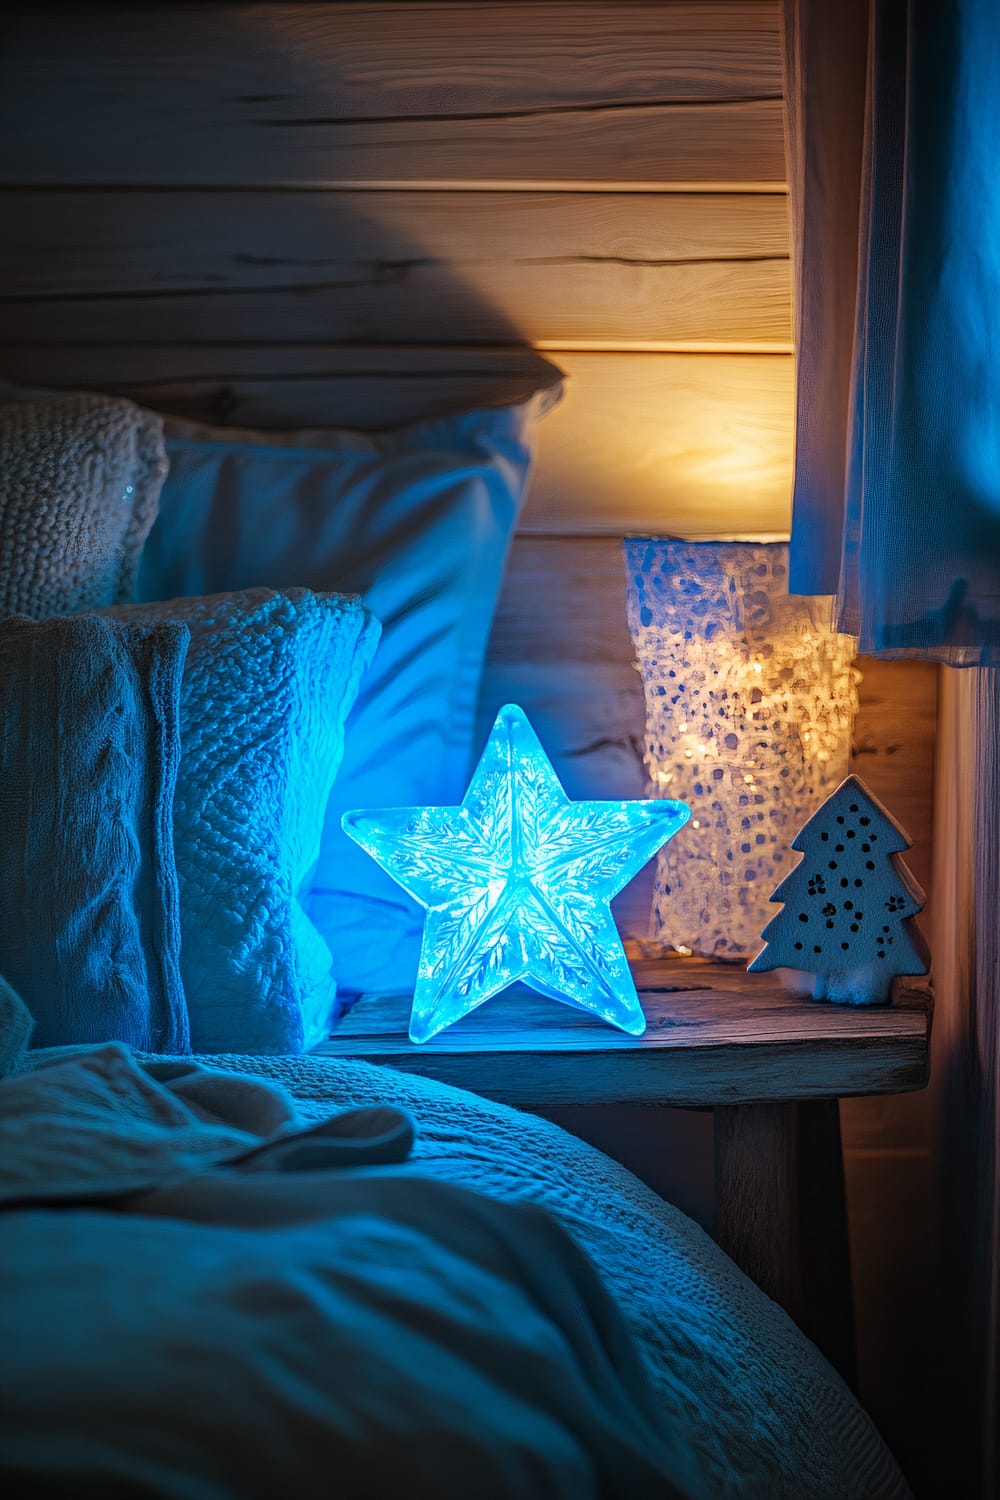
x=749 y=697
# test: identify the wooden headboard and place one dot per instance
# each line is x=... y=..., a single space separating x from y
x=285 y=214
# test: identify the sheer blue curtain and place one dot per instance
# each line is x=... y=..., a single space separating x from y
x=894 y=159
x=894 y=162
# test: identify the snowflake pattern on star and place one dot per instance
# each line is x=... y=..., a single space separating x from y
x=517 y=883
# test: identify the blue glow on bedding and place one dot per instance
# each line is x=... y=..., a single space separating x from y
x=517 y=883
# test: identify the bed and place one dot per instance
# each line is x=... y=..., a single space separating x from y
x=230 y=1267
x=244 y=1275
x=219 y=1278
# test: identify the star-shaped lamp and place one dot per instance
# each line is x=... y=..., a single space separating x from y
x=517 y=883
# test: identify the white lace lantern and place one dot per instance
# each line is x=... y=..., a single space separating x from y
x=750 y=700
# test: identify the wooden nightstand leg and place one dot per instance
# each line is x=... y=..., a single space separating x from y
x=781 y=1214
x=824 y=1249
x=756 y=1197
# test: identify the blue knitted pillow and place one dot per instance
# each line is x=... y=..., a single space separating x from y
x=89 y=748
x=267 y=684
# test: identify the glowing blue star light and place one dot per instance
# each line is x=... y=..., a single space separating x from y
x=517 y=883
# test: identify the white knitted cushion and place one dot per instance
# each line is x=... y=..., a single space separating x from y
x=80 y=481
x=268 y=682
x=89 y=929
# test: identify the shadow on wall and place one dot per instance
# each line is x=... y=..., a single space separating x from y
x=232 y=269
x=249 y=286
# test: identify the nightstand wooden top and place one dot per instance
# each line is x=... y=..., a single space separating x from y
x=715 y=1035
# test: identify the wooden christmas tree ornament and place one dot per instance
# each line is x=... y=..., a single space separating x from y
x=848 y=903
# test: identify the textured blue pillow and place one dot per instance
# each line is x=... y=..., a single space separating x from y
x=418 y=522
x=89 y=749
x=267 y=684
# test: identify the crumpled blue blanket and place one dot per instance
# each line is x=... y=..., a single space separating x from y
x=96 y=1122
x=205 y=1295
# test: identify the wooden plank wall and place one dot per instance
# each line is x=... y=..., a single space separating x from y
x=378 y=94
x=317 y=214
x=308 y=214
x=425 y=193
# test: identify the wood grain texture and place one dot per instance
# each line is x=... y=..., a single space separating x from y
x=560 y=640
x=781 y=1214
x=968 y=1079
x=283 y=386
x=824 y=1246
x=756 y=1197
x=689 y=445
x=893 y=751
x=693 y=445
x=714 y=1036
x=396 y=268
x=899 y=1289
x=986 y=1015
x=303 y=94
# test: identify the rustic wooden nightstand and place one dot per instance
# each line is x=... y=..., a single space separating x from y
x=771 y=1065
